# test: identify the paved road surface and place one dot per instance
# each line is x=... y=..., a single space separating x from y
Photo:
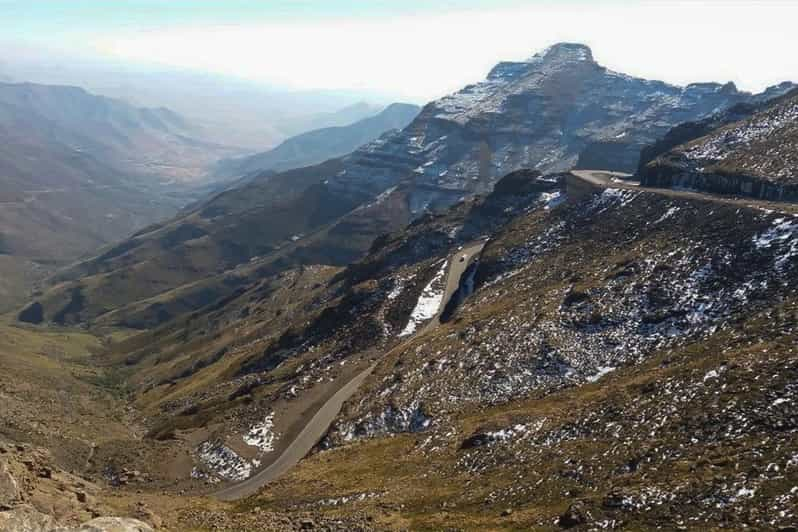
x=301 y=446
x=320 y=422
x=605 y=179
x=457 y=268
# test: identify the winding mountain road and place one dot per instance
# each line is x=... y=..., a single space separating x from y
x=301 y=446
x=459 y=262
x=607 y=179
x=323 y=418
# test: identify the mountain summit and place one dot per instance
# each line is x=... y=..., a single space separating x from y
x=562 y=54
x=565 y=51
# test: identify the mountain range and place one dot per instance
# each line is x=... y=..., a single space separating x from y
x=543 y=114
x=229 y=110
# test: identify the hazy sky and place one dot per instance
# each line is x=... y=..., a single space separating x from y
x=420 y=49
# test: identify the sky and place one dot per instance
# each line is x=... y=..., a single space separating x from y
x=418 y=49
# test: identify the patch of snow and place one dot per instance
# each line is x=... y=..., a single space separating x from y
x=428 y=304
x=552 y=199
x=600 y=372
x=396 y=290
x=612 y=196
x=224 y=462
x=783 y=235
x=508 y=433
x=261 y=434
x=670 y=212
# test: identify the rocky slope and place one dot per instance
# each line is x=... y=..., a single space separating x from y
x=750 y=151
x=602 y=369
x=542 y=113
x=316 y=146
x=605 y=372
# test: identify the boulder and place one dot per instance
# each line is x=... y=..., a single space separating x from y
x=9 y=490
x=26 y=519
x=113 y=524
x=144 y=513
x=476 y=440
x=307 y=524
x=575 y=515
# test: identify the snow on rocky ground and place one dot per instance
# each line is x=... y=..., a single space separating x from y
x=667 y=297
x=343 y=500
x=612 y=197
x=720 y=145
x=674 y=414
x=399 y=284
x=396 y=291
x=391 y=420
x=223 y=462
x=429 y=302
x=551 y=199
x=670 y=212
x=784 y=236
x=261 y=435
x=219 y=462
x=600 y=372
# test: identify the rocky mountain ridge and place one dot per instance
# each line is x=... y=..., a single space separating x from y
x=538 y=114
x=750 y=151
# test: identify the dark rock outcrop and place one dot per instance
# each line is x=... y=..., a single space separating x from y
x=750 y=150
x=33 y=313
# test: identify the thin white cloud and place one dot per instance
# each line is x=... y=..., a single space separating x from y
x=751 y=43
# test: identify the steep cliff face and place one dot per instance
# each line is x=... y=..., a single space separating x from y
x=751 y=151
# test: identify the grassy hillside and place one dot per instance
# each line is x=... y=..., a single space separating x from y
x=608 y=368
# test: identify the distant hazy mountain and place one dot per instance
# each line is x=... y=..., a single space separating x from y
x=78 y=171
x=231 y=111
x=319 y=145
x=337 y=118
x=241 y=114
x=154 y=142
